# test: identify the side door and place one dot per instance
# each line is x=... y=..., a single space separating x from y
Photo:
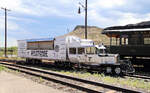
x=91 y=54
x=82 y=56
x=73 y=54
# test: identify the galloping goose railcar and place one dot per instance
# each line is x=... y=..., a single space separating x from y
x=72 y=51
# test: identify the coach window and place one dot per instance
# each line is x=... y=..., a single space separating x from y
x=81 y=51
x=113 y=41
x=72 y=50
x=146 y=40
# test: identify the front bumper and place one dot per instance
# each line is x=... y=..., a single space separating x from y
x=127 y=67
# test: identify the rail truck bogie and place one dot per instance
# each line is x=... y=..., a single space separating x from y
x=71 y=51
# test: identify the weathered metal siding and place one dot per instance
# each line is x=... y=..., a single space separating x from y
x=41 y=45
x=46 y=45
x=32 y=45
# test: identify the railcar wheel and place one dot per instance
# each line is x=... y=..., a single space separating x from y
x=118 y=71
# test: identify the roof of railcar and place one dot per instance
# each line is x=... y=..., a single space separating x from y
x=39 y=39
x=143 y=26
x=126 y=30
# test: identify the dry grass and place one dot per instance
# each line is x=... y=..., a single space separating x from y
x=13 y=58
x=2 y=68
x=124 y=82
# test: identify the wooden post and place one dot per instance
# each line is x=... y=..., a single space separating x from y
x=110 y=40
x=5 y=9
x=120 y=40
x=116 y=41
x=86 y=34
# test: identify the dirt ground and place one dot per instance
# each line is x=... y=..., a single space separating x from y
x=10 y=83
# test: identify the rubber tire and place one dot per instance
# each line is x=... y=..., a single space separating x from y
x=117 y=71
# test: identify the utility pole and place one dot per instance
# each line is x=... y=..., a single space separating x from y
x=79 y=11
x=5 y=9
x=86 y=19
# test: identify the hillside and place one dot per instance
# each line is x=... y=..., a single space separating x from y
x=94 y=33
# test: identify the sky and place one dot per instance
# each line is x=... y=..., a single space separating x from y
x=50 y=18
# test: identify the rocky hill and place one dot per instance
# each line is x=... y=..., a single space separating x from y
x=94 y=33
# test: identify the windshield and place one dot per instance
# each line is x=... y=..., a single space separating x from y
x=91 y=50
x=94 y=50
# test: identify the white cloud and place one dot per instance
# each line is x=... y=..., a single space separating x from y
x=12 y=4
x=39 y=7
x=97 y=19
x=12 y=27
x=102 y=13
x=65 y=1
x=105 y=13
x=12 y=22
x=121 y=18
x=14 y=30
x=11 y=42
x=27 y=20
x=106 y=3
x=131 y=18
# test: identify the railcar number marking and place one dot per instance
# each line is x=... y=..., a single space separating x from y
x=43 y=53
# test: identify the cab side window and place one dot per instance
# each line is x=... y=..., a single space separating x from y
x=72 y=50
x=90 y=50
x=81 y=51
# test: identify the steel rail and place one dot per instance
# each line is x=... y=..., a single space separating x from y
x=136 y=76
x=139 y=76
x=126 y=90
x=56 y=81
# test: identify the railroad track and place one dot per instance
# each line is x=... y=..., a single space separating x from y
x=139 y=77
x=80 y=84
x=130 y=76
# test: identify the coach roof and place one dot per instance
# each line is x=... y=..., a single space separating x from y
x=143 y=26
